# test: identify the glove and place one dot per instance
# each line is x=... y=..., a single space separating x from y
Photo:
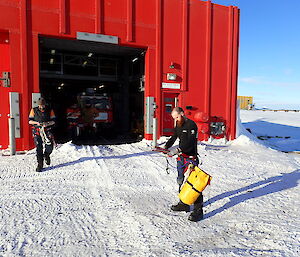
x=173 y=152
x=46 y=124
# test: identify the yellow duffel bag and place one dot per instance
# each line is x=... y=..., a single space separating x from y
x=195 y=184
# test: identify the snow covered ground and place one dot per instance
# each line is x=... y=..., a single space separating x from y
x=114 y=200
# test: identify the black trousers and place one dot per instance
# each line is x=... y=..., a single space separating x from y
x=39 y=144
x=181 y=166
x=198 y=204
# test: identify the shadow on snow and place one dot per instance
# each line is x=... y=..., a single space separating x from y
x=83 y=159
x=265 y=187
x=278 y=136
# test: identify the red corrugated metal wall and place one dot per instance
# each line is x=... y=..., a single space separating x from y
x=199 y=37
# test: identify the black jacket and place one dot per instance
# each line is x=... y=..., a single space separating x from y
x=40 y=116
x=37 y=115
x=187 y=135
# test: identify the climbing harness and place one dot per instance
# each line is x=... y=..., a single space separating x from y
x=44 y=136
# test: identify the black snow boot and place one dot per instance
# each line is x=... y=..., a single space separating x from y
x=180 y=207
x=40 y=164
x=47 y=158
x=197 y=213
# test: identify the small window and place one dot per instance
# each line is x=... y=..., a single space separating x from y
x=169 y=108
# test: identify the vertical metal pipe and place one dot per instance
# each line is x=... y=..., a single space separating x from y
x=159 y=59
x=62 y=17
x=236 y=20
x=185 y=42
x=12 y=136
x=229 y=71
x=99 y=19
x=208 y=61
x=129 y=20
x=24 y=71
x=154 y=140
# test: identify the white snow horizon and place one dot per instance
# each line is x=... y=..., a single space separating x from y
x=114 y=200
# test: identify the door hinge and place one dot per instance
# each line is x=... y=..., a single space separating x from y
x=5 y=79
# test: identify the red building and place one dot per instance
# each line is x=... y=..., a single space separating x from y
x=148 y=56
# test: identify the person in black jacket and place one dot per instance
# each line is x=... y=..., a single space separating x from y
x=186 y=131
x=42 y=119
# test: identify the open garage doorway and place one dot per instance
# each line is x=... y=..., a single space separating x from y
x=95 y=89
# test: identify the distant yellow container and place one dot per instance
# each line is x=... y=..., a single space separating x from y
x=195 y=184
x=246 y=102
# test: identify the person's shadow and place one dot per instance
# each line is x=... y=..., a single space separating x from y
x=83 y=159
x=261 y=188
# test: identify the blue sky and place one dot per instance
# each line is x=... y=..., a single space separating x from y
x=269 y=54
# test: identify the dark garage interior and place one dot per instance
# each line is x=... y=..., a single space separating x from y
x=106 y=80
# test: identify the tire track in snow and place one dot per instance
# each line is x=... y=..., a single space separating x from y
x=108 y=210
x=133 y=228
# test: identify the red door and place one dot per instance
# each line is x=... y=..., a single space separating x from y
x=169 y=102
x=4 y=89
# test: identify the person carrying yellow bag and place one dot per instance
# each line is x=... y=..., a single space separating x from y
x=186 y=131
